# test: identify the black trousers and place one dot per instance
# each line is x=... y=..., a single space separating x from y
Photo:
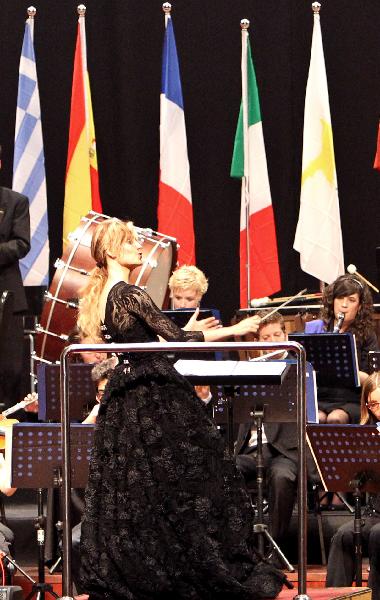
x=281 y=486
x=341 y=563
x=11 y=362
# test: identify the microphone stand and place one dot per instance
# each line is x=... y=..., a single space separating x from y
x=259 y=527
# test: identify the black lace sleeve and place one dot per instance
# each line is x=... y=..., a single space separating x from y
x=132 y=302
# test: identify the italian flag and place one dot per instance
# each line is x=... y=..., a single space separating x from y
x=259 y=268
x=82 y=181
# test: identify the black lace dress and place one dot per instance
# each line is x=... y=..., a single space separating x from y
x=167 y=516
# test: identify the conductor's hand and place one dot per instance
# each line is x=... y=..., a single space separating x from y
x=203 y=324
x=249 y=325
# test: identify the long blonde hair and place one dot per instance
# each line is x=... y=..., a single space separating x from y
x=370 y=385
x=108 y=237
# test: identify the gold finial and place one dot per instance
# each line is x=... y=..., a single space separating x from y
x=316 y=7
x=81 y=10
x=244 y=24
x=167 y=8
x=32 y=12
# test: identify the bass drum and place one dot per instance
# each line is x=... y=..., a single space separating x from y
x=59 y=314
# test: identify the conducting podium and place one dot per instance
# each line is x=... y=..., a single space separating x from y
x=153 y=347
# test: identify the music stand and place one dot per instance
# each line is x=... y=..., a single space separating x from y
x=249 y=374
x=348 y=459
x=81 y=386
x=373 y=361
x=229 y=373
x=333 y=356
x=33 y=458
x=279 y=400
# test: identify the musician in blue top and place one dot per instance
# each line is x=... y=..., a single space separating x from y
x=347 y=307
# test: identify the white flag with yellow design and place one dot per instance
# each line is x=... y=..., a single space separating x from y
x=318 y=236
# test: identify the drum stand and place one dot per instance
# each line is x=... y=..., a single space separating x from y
x=259 y=528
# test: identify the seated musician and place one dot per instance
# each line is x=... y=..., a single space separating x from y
x=99 y=376
x=341 y=562
x=6 y=534
x=352 y=298
x=187 y=286
x=280 y=449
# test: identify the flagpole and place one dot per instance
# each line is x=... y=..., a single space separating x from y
x=316 y=7
x=244 y=24
x=81 y=10
x=167 y=8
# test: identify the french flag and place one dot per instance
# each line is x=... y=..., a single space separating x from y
x=175 y=209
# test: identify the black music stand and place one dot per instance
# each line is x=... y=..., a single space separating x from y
x=348 y=459
x=263 y=392
x=81 y=389
x=229 y=373
x=373 y=361
x=34 y=459
x=333 y=356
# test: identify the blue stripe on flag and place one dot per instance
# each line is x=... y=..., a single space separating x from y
x=26 y=89
x=25 y=132
x=39 y=239
x=171 y=82
x=27 y=50
x=34 y=181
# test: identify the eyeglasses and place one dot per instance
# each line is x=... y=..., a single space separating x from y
x=100 y=394
x=372 y=405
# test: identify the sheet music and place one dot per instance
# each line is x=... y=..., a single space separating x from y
x=229 y=368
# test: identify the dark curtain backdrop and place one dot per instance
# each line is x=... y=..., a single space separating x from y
x=124 y=42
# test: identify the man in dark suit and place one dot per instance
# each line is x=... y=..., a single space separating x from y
x=280 y=450
x=14 y=245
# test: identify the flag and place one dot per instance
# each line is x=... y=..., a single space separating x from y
x=29 y=162
x=377 y=157
x=318 y=236
x=175 y=209
x=259 y=268
x=82 y=181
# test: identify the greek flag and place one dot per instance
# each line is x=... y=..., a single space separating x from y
x=29 y=162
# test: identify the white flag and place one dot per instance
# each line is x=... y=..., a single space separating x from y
x=319 y=235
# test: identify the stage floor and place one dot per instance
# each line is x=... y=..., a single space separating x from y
x=316 y=578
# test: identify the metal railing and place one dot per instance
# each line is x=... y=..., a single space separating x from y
x=297 y=349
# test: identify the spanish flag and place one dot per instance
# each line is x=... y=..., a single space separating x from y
x=82 y=182
x=377 y=157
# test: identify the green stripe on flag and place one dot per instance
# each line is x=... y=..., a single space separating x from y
x=254 y=116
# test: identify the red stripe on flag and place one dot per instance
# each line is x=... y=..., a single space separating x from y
x=377 y=157
x=95 y=194
x=78 y=111
x=265 y=272
x=175 y=218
